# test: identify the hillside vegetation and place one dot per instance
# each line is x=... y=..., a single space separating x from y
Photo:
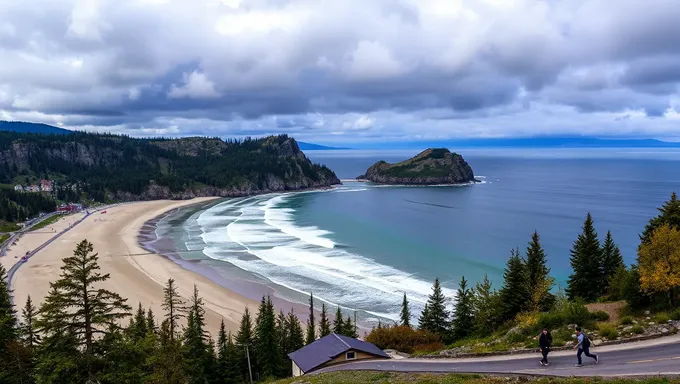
x=109 y=167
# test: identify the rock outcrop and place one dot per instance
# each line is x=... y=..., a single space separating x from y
x=435 y=166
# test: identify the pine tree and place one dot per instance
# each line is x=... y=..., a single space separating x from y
x=540 y=282
x=463 y=320
x=139 y=325
x=338 y=323
x=30 y=337
x=173 y=306
x=485 y=303
x=349 y=328
x=612 y=261
x=311 y=324
x=586 y=264
x=266 y=340
x=167 y=362
x=58 y=359
x=295 y=335
x=284 y=340
x=92 y=311
x=197 y=353
x=405 y=314
x=245 y=342
x=435 y=318
x=669 y=213
x=9 y=338
x=324 y=323
x=222 y=355
x=515 y=292
x=150 y=322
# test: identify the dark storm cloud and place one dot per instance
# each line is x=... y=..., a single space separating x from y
x=137 y=65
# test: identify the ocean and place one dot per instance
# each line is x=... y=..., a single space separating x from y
x=362 y=246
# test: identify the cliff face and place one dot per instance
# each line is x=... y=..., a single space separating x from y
x=430 y=167
x=122 y=168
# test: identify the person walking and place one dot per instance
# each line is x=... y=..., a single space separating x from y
x=544 y=343
x=583 y=346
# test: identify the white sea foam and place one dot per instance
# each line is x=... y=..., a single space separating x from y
x=302 y=259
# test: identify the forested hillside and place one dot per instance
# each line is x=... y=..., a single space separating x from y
x=109 y=167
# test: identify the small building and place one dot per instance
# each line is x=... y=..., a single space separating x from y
x=46 y=185
x=18 y=188
x=331 y=350
x=33 y=188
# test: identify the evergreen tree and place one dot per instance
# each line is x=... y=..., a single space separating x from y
x=463 y=319
x=284 y=341
x=92 y=311
x=485 y=304
x=58 y=359
x=30 y=337
x=150 y=322
x=10 y=364
x=167 y=362
x=173 y=306
x=228 y=359
x=311 y=324
x=435 y=317
x=197 y=352
x=139 y=325
x=540 y=282
x=245 y=342
x=338 y=323
x=266 y=340
x=515 y=292
x=586 y=263
x=295 y=335
x=612 y=260
x=324 y=323
x=405 y=313
x=349 y=329
x=669 y=213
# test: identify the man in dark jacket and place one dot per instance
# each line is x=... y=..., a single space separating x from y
x=545 y=342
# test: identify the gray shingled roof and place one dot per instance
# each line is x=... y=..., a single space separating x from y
x=327 y=348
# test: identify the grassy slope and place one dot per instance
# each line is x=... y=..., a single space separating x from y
x=49 y=221
x=369 y=377
x=4 y=237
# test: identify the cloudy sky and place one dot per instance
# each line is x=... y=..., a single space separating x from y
x=344 y=71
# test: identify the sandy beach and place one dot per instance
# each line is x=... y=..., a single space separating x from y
x=135 y=273
x=33 y=239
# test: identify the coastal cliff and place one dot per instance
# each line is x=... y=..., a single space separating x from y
x=431 y=167
x=110 y=167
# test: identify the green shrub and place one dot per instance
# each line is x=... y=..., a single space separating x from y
x=516 y=338
x=661 y=318
x=675 y=315
x=551 y=320
x=401 y=338
x=638 y=330
x=608 y=331
x=599 y=316
x=628 y=320
x=577 y=313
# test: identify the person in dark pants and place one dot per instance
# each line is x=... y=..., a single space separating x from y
x=583 y=347
x=545 y=342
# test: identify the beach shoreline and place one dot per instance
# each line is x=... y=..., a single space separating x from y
x=149 y=240
x=136 y=273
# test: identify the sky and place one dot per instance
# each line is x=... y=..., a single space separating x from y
x=344 y=71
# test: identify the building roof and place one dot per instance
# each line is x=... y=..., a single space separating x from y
x=327 y=348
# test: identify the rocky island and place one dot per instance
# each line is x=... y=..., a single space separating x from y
x=433 y=166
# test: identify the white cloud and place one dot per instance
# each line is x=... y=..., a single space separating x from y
x=196 y=86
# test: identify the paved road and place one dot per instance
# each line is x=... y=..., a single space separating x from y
x=662 y=359
x=15 y=267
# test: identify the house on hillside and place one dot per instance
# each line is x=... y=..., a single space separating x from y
x=32 y=188
x=46 y=185
x=331 y=350
x=18 y=188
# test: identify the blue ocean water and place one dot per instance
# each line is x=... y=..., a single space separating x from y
x=361 y=246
